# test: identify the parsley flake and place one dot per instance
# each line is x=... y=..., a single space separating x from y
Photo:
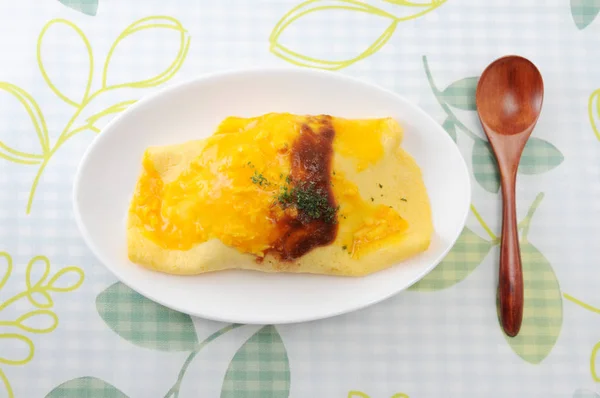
x=259 y=179
x=311 y=202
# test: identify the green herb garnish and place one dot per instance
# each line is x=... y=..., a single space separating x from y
x=404 y=200
x=285 y=196
x=380 y=186
x=259 y=179
x=310 y=201
x=344 y=247
x=314 y=203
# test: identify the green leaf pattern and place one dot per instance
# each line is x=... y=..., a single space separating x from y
x=543 y=311
x=86 y=387
x=468 y=252
x=539 y=156
x=584 y=12
x=89 y=7
x=259 y=369
x=581 y=393
x=461 y=94
x=123 y=310
x=450 y=128
x=485 y=168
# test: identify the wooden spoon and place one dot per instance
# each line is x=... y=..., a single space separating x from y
x=509 y=101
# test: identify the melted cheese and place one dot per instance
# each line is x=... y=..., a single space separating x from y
x=228 y=191
x=215 y=197
x=225 y=188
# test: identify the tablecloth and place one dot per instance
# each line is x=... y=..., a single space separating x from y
x=68 y=328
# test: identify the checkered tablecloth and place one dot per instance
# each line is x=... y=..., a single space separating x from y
x=69 y=329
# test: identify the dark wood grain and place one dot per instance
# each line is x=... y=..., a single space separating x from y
x=509 y=101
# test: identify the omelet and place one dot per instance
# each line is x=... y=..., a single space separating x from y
x=281 y=192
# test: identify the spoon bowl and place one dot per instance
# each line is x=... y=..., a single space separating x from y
x=510 y=93
x=509 y=101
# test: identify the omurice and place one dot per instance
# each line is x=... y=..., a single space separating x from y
x=281 y=192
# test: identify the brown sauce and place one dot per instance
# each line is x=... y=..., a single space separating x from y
x=309 y=218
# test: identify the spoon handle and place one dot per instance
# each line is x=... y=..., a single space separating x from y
x=510 y=279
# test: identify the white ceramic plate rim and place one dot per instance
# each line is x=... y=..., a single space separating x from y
x=254 y=319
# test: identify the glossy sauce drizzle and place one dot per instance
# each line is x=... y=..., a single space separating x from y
x=305 y=212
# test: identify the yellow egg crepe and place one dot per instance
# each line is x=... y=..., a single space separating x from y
x=281 y=193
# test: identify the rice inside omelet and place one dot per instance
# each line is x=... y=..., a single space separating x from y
x=281 y=192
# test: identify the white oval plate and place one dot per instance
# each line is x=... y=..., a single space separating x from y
x=109 y=170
